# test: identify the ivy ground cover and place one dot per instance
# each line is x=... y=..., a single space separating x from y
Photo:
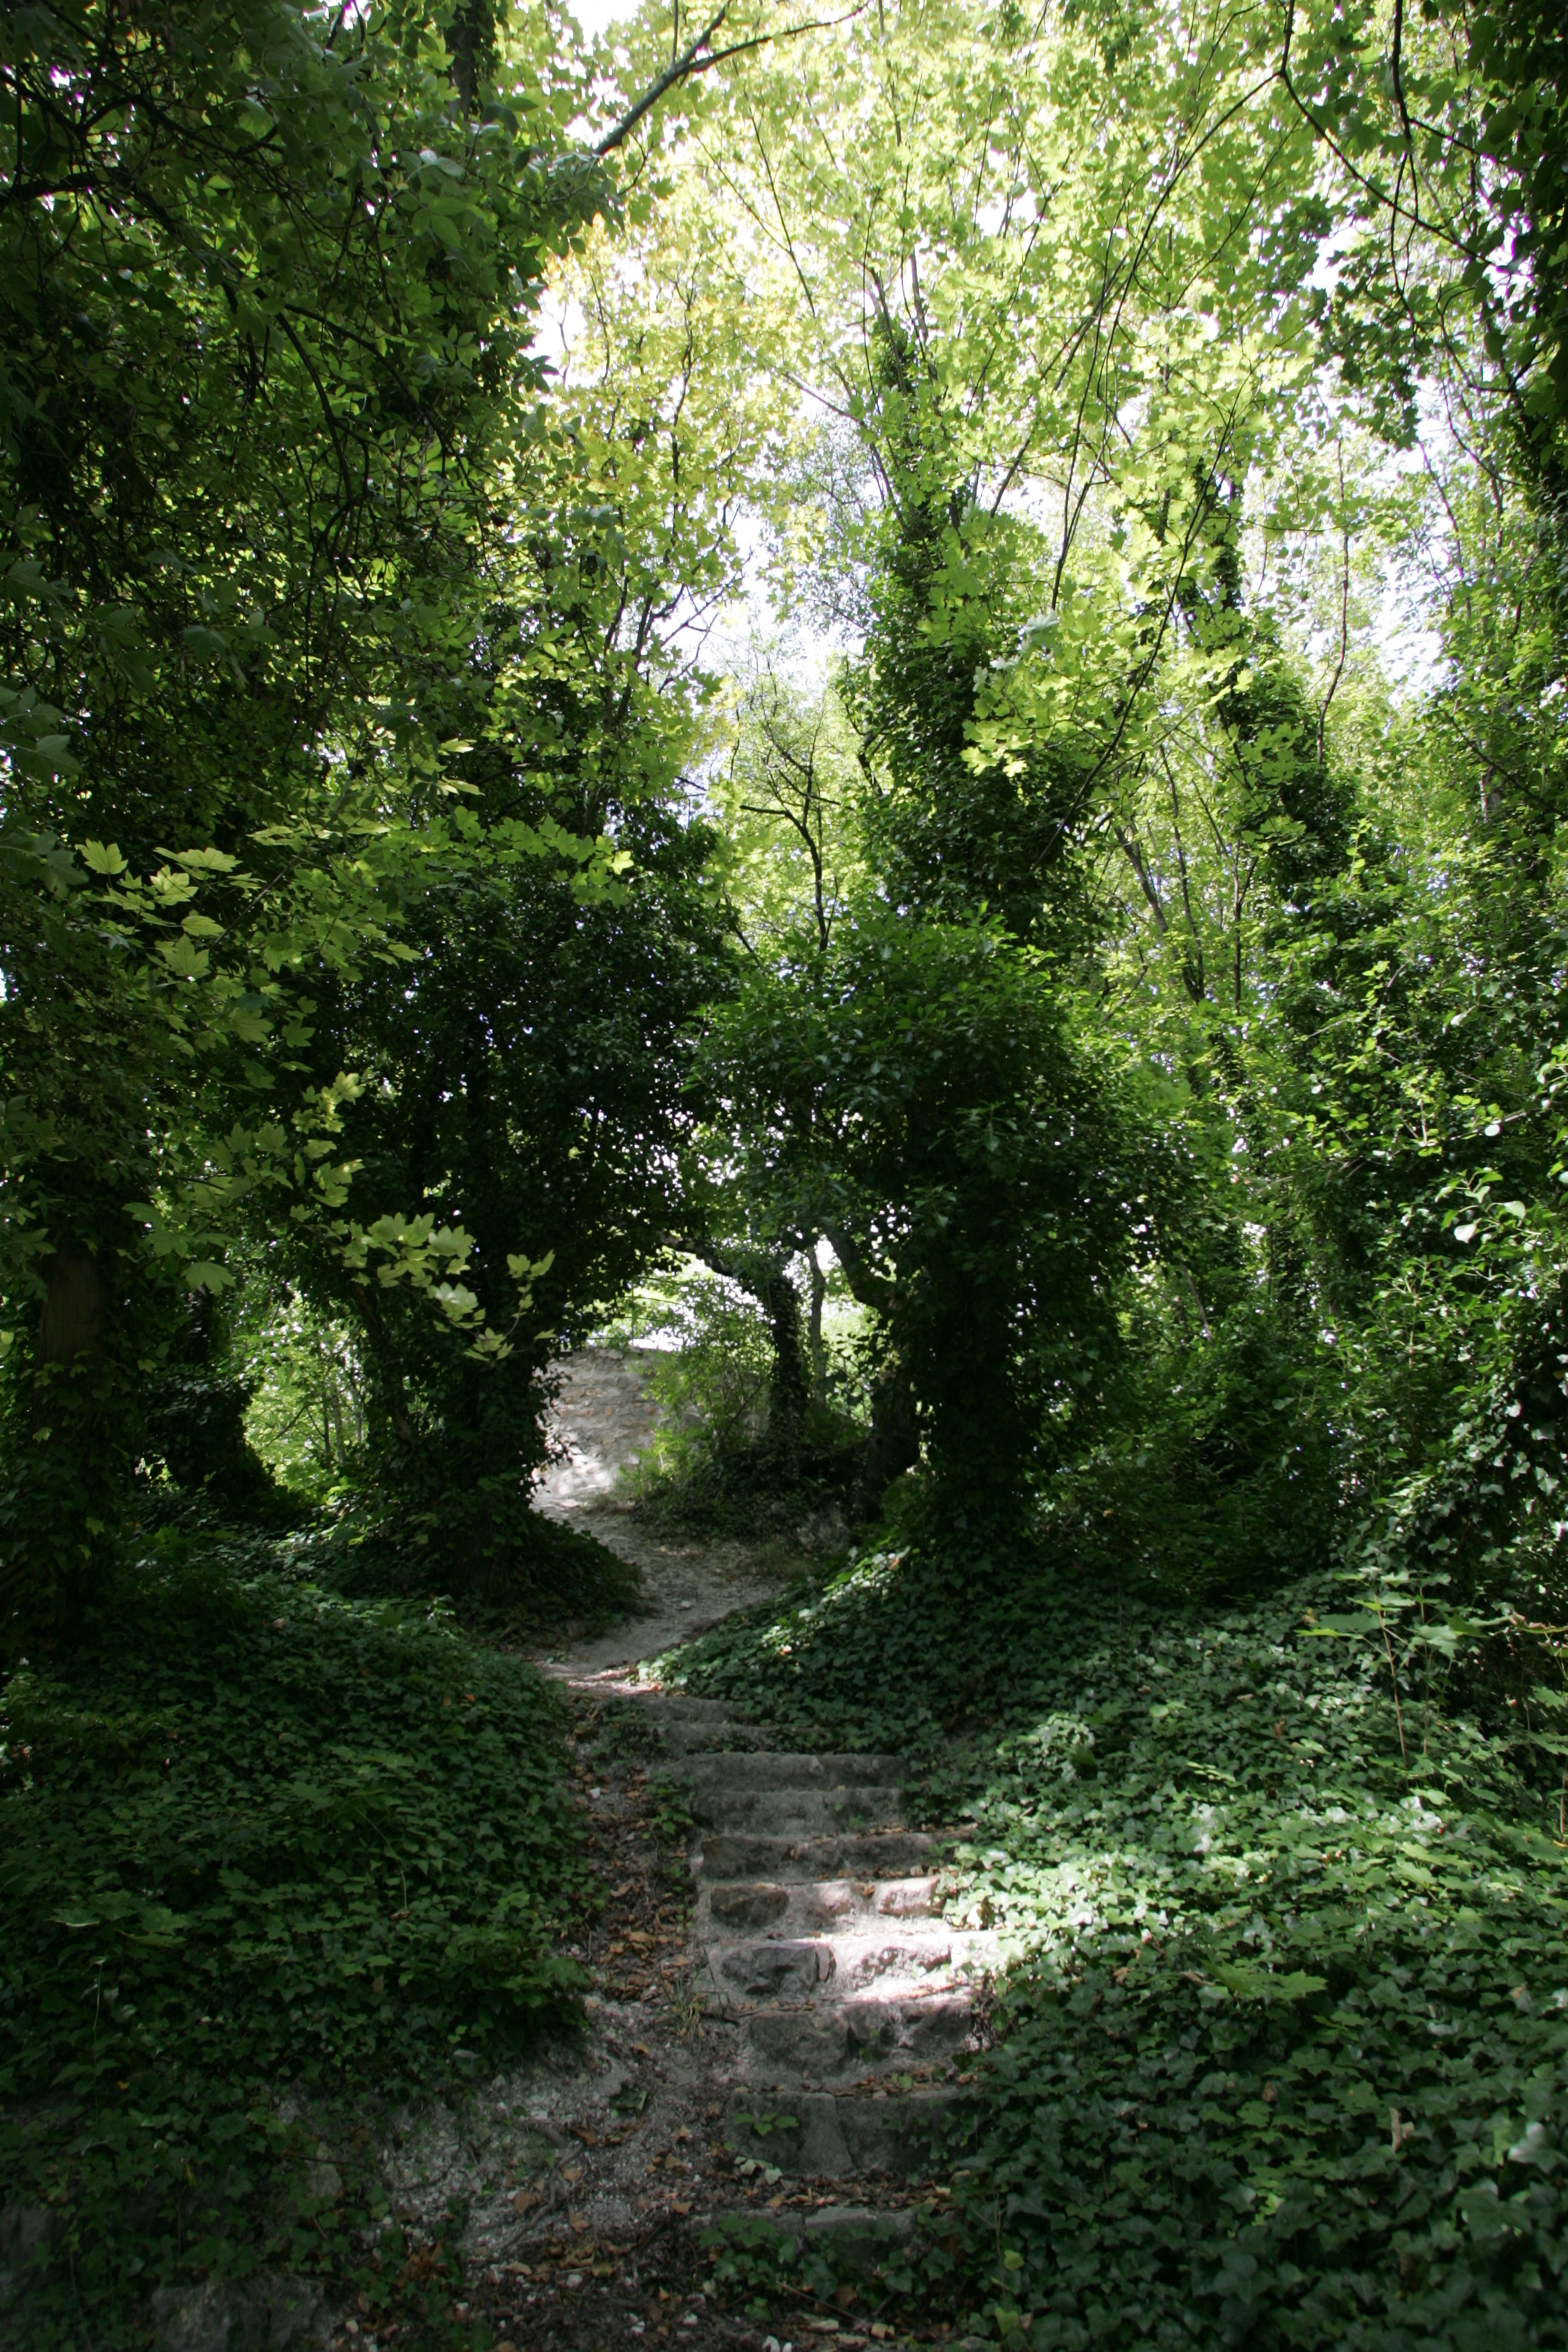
x=265 y=1855
x=1282 y=2051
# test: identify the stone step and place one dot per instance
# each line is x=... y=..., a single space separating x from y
x=683 y=1739
x=793 y=1812
x=692 y=1727
x=811 y=1906
x=679 y=1707
x=777 y=1970
x=860 y=1854
x=856 y=2238
x=773 y=1768
x=839 y=2041
x=820 y=2135
x=827 y=1968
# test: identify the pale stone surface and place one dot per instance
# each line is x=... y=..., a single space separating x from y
x=605 y=1417
x=824 y=1975
x=269 y=2313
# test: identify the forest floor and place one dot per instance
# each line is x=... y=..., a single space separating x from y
x=794 y=1867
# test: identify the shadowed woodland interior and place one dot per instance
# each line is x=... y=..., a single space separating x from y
x=875 y=707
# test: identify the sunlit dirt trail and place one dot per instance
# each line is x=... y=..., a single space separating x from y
x=606 y=1416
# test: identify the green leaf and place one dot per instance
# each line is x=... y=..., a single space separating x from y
x=182 y=958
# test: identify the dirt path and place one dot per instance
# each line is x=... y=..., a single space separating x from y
x=780 y=2021
x=606 y=1416
x=779 y=2016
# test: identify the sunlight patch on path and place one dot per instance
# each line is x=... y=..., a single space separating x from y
x=605 y=1416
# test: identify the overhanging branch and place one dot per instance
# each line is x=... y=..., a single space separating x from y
x=700 y=58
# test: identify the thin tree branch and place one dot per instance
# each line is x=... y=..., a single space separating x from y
x=693 y=62
x=1344 y=614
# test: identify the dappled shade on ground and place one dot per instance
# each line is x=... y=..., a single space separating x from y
x=1284 y=2049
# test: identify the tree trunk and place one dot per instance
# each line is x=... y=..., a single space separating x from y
x=767 y=1280
x=469 y=42
x=386 y=1359
x=790 y=1389
x=815 y=1348
x=72 y=1319
x=68 y=1481
x=895 y=1445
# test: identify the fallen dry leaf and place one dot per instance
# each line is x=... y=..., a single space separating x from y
x=578 y=2220
x=525 y=2200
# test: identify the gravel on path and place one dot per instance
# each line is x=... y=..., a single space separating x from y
x=605 y=1416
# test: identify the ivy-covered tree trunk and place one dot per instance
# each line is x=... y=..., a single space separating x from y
x=789 y=1390
x=71 y=1326
x=894 y=1446
x=73 y=1422
x=815 y=1347
x=384 y=1355
x=767 y=1279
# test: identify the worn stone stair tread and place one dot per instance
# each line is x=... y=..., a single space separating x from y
x=787 y=2042
x=687 y=1726
x=782 y=1768
x=681 y=1742
x=823 y=2135
x=823 y=1952
x=856 y=2238
x=731 y=1856
x=682 y=1707
x=812 y=1905
x=774 y=1812
x=825 y=1966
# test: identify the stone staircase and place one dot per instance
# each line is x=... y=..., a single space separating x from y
x=844 y=2005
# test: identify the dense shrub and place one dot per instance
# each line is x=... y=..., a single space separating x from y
x=720 y=1461
x=195 y=1431
x=500 y=1562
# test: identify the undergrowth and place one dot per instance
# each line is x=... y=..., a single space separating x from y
x=542 y=1575
x=269 y=1857
x=754 y=1496
x=716 y=1465
x=1282 y=2053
